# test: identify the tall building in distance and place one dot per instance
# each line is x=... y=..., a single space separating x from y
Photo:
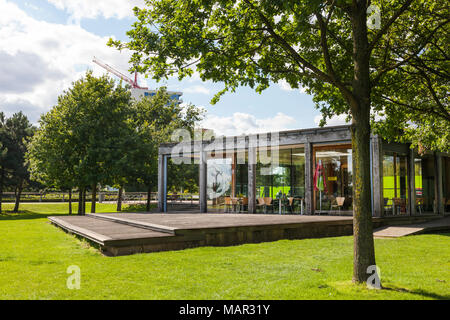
x=138 y=93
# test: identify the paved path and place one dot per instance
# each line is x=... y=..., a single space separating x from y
x=407 y=230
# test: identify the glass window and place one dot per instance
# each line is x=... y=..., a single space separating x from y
x=182 y=183
x=446 y=183
x=227 y=181
x=280 y=180
x=333 y=188
x=395 y=184
x=424 y=171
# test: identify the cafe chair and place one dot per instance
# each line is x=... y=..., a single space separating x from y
x=227 y=204
x=338 y=203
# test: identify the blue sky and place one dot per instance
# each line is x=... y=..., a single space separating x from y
x=45 y=45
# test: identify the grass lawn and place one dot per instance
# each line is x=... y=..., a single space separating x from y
x=34 y=257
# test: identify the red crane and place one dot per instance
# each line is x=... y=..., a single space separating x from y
x=134 y=84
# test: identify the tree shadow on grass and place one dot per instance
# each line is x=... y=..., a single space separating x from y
x=27 y=215
x=420 y=292
x=139 y=208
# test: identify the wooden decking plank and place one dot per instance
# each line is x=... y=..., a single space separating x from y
x=180 y=221
x=89 y=234
x=102 y=231
x=141 y=224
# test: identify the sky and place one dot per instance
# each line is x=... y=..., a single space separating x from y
x=45 y=45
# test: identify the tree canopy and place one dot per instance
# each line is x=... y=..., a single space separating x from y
x=86 y=138
x=155 y=118
x=15 y=133
x=97 y=134
x=349 y=57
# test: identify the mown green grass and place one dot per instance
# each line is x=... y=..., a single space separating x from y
x=34 y=257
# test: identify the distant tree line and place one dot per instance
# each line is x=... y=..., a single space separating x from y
x=96 y=135
x=15 y=133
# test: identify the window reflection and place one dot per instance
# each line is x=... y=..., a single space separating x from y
x=280 y=180
x=446 y=183
x=424 y=171
x=227 y=181
x=333 y=188
x=395 y=184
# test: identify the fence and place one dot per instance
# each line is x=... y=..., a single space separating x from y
x=127 y=197
x=64 y=196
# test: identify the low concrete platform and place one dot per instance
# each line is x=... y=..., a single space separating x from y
x=128 y=233
x=411 y=229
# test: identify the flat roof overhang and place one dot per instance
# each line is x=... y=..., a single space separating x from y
x=334 y=134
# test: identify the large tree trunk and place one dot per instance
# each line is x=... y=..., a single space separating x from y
x=70 y=201
x=94 y=197
x=80 y=201
x=2 y=181
x=363 y=248
x=18 y=194
x=83 y=202
x=149 y=195
x=119 y=199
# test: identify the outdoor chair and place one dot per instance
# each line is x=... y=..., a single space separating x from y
x=399 y=205
x=339 y=203
x=227 y=204
x=291 y=204
x=244 y=204
x=419 y=205
x=260 y=203
x=234 y=203
x=386 y=205
x=268 y=203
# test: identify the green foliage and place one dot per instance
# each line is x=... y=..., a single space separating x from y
x=411 y=86
x=319 y=45
x=155 y=119
x=86 y=138
x=98 y=134
x=15 y=133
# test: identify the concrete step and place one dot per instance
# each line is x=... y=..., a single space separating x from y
x=442 y=224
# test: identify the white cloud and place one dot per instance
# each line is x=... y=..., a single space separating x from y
x=41 y=59
x=334 y=121
x=244 y=123
x=284 y=85
x=197 y=89
x=99 y=8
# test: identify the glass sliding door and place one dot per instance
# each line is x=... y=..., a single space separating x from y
x=280 y=180
x=395 y=183
x=446 y=183
x=227 y=181
x=182 y=183
x=333 y=192
x=424 y=172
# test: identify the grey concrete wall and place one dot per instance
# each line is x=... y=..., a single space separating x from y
x=202 y=182
x=252 y=180
x=309 y=163
x=377 y=180
x=411 y=183
x=161 y=184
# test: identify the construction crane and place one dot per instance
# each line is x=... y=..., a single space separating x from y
x=134 y=84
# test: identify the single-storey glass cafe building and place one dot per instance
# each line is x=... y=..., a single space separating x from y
x=305 y=171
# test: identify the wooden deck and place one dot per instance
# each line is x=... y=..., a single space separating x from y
x=128 y=233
